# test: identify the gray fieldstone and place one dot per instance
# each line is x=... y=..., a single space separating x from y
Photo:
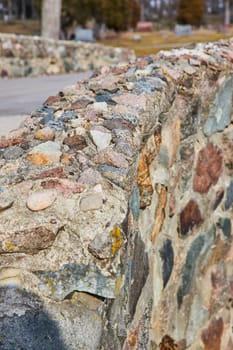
x=220 y=114
x=13 y=152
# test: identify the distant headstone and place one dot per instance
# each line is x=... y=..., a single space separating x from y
x=183 y=30
x=137 y=38
x=145 y=27
x=84 y=35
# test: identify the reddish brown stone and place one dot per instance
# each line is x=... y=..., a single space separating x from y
x=217 y=279
x=218 y=283
x=76 y=142
x=54 y=172
x=119 y=69
x=66 y=187
x=229 y=345
x=218 y=199
x=167 y=343
x=190 y=217
x=27 y=241
x=144 y=181
x=132 y=338
x=52 y=99
x=181 y=345
x=227 y=150
x=209 y=168
x=11 y=142
x=211 y=336
x=227 y=54
x=172 y=204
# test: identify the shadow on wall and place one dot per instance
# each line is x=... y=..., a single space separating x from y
x=25 y=325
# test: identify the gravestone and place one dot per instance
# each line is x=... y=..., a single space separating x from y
x=144 y=27
x=137 y=38
x=82 y=34
x=183 y=30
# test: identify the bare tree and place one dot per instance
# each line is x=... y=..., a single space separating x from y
x=10 y=8
x=23 y=9
x=227 y=13
x=142 y=13
x=51 y=18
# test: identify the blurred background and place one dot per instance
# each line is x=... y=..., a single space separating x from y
x=146 y=26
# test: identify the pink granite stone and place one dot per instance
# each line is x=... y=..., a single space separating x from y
x=110 y=157
x=64 y=186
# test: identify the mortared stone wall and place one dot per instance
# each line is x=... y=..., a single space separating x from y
x=22 y=56
x=116 y=209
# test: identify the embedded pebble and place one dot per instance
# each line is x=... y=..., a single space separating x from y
x=45 y=134
x=40 y=200
x=101 y=139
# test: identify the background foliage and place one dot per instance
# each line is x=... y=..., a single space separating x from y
x=190 y=12
x=116 y=14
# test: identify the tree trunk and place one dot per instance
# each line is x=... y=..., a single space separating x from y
x=51 y=18
x=23 y=9
x=227 y=13
x=10 y=8
x=142 y=13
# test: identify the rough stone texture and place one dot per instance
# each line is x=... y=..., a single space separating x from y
x=135 y=249
x=32 y=56
x=209 y=168
x=46 y=326
x=190 y=218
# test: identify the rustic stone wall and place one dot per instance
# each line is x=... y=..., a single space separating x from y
x=22 y=56
x=116 y=210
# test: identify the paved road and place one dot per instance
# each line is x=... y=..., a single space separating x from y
x=19 y=97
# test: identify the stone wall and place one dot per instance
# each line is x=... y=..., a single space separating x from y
x=116 y=210
x=32 y=56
